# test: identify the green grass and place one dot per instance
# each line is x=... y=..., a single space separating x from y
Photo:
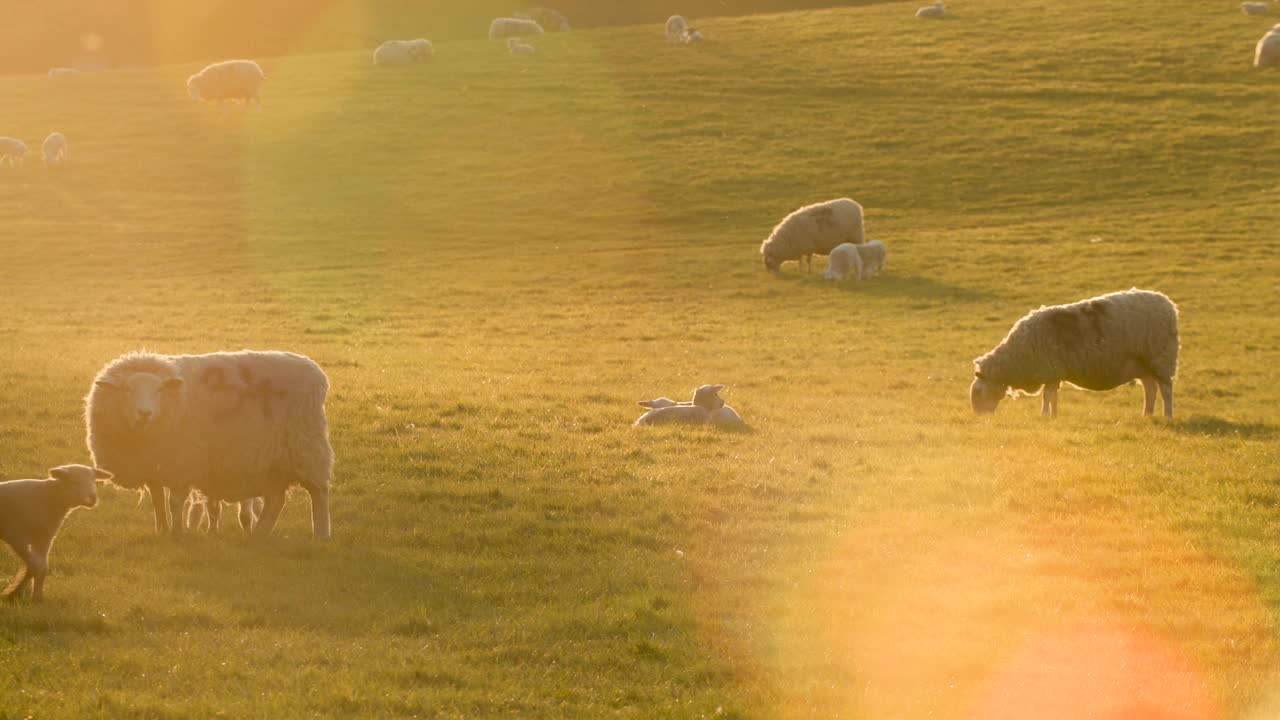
x=495 y=258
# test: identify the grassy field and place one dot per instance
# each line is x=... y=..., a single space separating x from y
x=494 y=258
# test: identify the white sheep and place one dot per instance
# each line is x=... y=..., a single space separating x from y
x=31 y=513
x=13 y=151
x=813 y=229
x=55 y=149
x=1095 y=344
x=422 y=49
x=546 y=17
x=935 y=10
x=692 y=36
x=873 y=255
x=706 y=400
x=515 y=47
x=61 y=72
x=402 y=52
x=845 y=260
x=508 y=27
x=676 y=28
x=1254 y=8
x=227 y=80
x=723 y=415
x=234 y=425
x=1267 y=53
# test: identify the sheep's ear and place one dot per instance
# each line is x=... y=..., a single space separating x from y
x=60 y=473
x=106 y=385
x=646 y=404
x=172 y=383
x=100 y=474
x=717 y=388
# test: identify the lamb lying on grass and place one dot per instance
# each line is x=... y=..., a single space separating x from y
x=31 y=513
x=706 y=408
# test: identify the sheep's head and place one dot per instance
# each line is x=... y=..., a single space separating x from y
x=144 y=399
x=77 y=483
x=708 y=397
x=986 y=394
x=193 y=87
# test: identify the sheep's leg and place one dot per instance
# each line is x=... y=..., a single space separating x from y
x=270 y=512
x=158 y=503
x=177 y=496
x=1149 y=396
x=1166 y=391
x=319 y=510
x=40 y=567
x=246 y=516
x=1049 y=400
x=215 y=515
x=13 y=590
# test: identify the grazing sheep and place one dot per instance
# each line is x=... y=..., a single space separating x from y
x=422 y=49
x=546 y=17
x=723 y=415
x=935 y=10
x=402 y=52
x=1096 y=344
x=515 y=47
x=1267 y=53
x=227 y=80
x=1254 y=8
x=205 y=514
x=706 y=400
x=60 y=72
x=13 y=151
x=31 y=513
x=234 y=425
x=509 y=27
x=676 y=28
x=845 y=261
x=814 y=229
x=873 y=255
x=55 y=149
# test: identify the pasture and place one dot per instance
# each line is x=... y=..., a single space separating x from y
x=494 y=258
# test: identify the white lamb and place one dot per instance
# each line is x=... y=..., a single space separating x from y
x=508 y=27
x=724 y=415
x=676 y=28
x=227 y=80
x=1267 y=53
x=692 y=36
x=935 y=10
x=515 y=47
x=873 y=255
x=845 y=261
x=55 y=149
x=60 y=72
x=1254 y=8
x=13 y=151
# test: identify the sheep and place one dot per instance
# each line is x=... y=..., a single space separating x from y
x=227 y=80
x=31 y=513
x=508 y=27
x=234 y=425
x=873 y=255
x=676 y=28
x=422 y=49
x=1095 y=344
x=1254 y=8
x=515 y=47
x=845 y=261
x=813 y=229
x=55 y=149
x=706 y=400
x=723 y=415
x=1267 y=53
x=61 y=72
x=204 y=514
x=13 y=151
x=402 y=52
x=546 y=17
x=935 y=10
x=692 y=36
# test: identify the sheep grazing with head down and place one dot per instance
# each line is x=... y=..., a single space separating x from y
x=873 y=255
x=1095 y=344
x=676 y=29
x=12 y=151
x=706 y=400
x=227 y=80
x=814 y=229
x=1267 y=52
x=1254 y=8
x=723 y=415
x=402 y=52
x=234 y=425
x=31 y=513
x=844 y=261
x=55 y=149
x=506 y=27
x=935 y=10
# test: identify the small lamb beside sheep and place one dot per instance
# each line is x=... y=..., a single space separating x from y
x=31 y=513
x=12 y=151
x=862 y=261
x=706 y=408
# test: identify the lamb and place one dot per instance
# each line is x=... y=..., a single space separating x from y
x=61 y=72
x=706 y=400
x=873 y=255
x=813 y=229
x=234 y=425
x=515 y=47
x=1267 y=53
x=692 y=36
x=31 y=513
x=13 y=151
x=205 y=514
x=1096 y=344
x=1254 y=8
x=935 y=10
x=509 y=27
x=724 y=415
x=227 y=80
x=55 y=149
x=845 y=261
x=676 y=28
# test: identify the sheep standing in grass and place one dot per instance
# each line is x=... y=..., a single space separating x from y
x=1267 y=53
x=55 y=149
x=845 y=261
x=515 y=47
x=814 y=229
x=227 y=80
x=935 y=10
x=1254 y=8
x=1096 y=344
x=676 y=28
x=422 y=49
x=234 y=425
x=402 y=52
x=12 y=151
x=706 y=400
x=723 y=415
x=31 y=513
x=873 y=255
x=502 y=28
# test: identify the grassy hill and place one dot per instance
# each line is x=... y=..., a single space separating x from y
x=494 y=258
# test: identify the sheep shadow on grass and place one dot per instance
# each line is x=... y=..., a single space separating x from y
x=1209 y=426
x=912 y=286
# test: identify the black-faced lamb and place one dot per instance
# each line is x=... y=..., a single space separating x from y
x=1095 y=344
x=31 y=513
x=813 y=229
x=234 y=425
